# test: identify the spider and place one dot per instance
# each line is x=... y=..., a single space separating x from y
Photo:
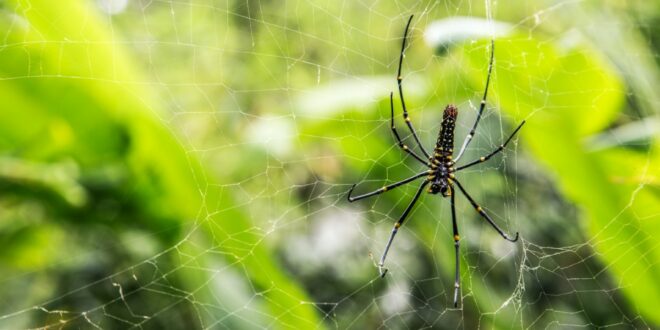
x=441 y=166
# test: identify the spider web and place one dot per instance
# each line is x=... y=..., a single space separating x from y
x=287 y=106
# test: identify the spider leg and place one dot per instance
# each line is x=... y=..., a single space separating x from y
x=457 y=244
x=398 y=225
x=484 y=215
x=398 y=138
x=386 y=188
x=470 y=135
x=500 y=148
x=399 y=83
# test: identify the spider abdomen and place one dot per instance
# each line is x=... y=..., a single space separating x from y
x=444 y=147
x=441 y=161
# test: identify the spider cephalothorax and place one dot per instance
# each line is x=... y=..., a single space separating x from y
x=440 y=166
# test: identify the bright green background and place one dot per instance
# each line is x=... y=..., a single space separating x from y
x=161 y=167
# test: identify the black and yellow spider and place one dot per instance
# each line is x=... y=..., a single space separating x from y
x=441 y=166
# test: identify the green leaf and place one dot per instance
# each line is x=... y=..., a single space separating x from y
x=567 y=93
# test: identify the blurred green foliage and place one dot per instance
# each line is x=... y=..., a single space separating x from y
x=569 y=113
x=81 y=107
x=139 y=185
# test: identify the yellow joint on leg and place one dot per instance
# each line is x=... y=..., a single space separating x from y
x=408 y=119
x=479 y=209
x=397 y=225
x=384 y=189
x=405 y=147
x=482 y=159
x=457 y=238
